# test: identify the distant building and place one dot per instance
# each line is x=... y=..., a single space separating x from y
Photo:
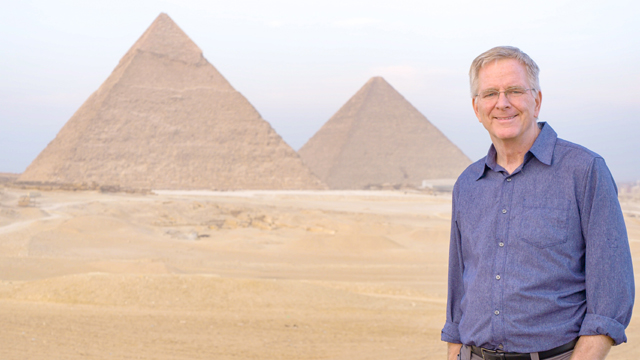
x=378 y=139
x=167 y=119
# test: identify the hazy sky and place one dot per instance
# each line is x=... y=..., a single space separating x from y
x=299 y=61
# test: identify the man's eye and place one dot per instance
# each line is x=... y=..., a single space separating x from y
x=489 y=94
x=516 y=92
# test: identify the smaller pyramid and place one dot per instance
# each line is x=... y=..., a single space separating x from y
x=167 y=119
x=379 y=139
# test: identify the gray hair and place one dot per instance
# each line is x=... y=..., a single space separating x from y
x=501 y=53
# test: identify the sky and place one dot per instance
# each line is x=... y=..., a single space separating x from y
x=299 y=61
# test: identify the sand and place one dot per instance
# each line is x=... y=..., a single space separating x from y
x=230 y=275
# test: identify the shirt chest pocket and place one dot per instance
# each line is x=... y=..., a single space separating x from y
x=543 y=222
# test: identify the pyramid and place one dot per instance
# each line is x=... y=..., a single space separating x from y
x=378 y=138
x=167 y=119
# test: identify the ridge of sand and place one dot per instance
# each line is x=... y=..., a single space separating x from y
x=379 y=138
x=167 y=119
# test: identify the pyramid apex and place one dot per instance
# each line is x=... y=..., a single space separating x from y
x=164 y=37
x=163 y=17
x=377 y=81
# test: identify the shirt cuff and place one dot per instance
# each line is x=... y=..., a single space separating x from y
x=450 y=333
x=600 y=325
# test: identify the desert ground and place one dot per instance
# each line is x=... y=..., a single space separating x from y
x=231 y=275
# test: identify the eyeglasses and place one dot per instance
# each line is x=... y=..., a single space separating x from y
x=511 y=94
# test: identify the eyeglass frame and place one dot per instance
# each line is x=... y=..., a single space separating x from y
x=505 y=92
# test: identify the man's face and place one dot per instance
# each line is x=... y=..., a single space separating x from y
x=509 y=120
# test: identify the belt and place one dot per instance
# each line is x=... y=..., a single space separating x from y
x=487 y=354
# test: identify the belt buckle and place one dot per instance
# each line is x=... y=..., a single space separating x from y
x=493 y=354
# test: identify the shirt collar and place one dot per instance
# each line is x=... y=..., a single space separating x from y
x=545 y=143
x=542 y=149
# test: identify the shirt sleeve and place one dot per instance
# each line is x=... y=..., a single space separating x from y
x=608 y=269
x=450 y=332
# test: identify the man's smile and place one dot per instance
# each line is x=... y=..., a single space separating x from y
x=505 y=118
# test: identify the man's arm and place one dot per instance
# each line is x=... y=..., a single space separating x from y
x=453 y=350
x=595 y=347
x=450 y=332
x=608 y=268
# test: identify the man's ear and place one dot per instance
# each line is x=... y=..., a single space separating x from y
x=538 y=103
x=475 y=107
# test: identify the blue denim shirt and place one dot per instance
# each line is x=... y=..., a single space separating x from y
x=540 y=256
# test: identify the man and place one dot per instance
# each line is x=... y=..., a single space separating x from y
x=539 y=261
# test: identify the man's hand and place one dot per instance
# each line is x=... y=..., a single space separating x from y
x=453 y=350
x=595 y=347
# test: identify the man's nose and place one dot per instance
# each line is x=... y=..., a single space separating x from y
x=503 y=100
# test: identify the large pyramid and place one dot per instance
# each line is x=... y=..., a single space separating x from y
x=378 y=138
x=166 y=119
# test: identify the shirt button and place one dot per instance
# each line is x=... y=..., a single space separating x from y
x=497 y=277
x=497 y=312
x=501 y=346
x=501 y=244
x=508 y=179
x=504 y=211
